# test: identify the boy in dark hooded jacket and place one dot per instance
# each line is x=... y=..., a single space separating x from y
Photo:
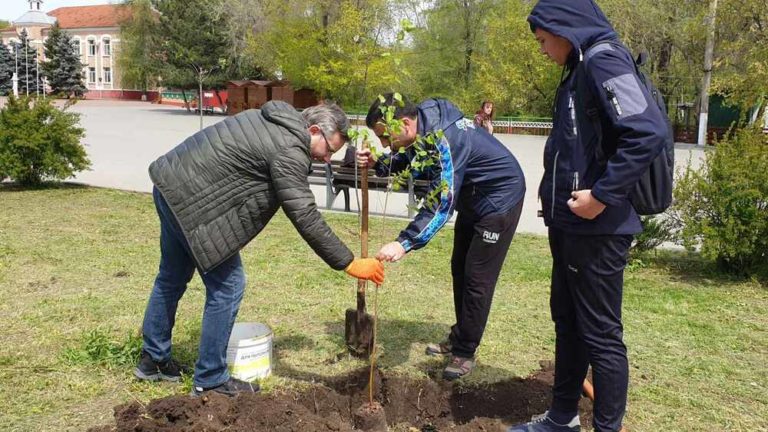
x=586 y=206
x=480 y=179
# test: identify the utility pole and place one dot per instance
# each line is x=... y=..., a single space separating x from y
x=707 y=79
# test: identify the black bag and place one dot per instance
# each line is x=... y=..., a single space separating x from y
x=653 y=192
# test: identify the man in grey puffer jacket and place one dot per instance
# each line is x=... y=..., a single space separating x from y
x=214 y=193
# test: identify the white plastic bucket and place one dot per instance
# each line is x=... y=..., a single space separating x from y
x=249 y=353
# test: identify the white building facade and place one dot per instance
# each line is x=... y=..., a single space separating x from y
x=96 y=31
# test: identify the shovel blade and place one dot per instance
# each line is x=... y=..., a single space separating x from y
x=358 y=332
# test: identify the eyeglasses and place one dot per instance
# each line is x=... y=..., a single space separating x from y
x=331 y=150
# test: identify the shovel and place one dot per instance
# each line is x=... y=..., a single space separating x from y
x=358 y=325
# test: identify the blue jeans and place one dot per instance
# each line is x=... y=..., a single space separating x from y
x=224 y=286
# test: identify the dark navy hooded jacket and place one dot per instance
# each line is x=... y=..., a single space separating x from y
x=632 y=123
x=482 y=176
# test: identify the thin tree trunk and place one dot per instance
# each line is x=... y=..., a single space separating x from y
x=707 y=79
x=224 y=107
x=186 y=101
x=467 y=44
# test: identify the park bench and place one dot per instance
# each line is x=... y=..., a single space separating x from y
x=339 y=178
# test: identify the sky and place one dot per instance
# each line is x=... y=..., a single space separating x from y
x=13 y=9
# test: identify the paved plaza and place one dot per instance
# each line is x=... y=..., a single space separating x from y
x=123 y=138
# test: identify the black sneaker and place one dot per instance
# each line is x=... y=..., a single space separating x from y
x=150 y=370
x=545 y=424
x=230 y=388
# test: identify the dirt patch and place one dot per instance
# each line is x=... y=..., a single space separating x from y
x=335 y=405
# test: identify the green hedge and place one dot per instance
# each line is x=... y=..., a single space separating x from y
x=722 y=208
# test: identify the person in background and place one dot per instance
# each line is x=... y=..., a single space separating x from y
x=484 y=116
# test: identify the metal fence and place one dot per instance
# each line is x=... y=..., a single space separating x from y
x=509 y=125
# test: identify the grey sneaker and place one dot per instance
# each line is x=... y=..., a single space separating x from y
x=439 y=349
x=458 y=367
x=231 y=387
x=543 y=423
x=150 y=370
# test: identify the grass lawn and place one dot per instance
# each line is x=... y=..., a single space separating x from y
x=77 y=265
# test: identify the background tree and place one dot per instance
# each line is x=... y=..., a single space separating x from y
x=447 y=49
x=742 y=52
x=348 y=51
x=140 y=40
x=671 y=33
x=194 y=39
x=7 y=68
x=62 y=67
x=27 y=56
x=243 y=19
x=512 y=72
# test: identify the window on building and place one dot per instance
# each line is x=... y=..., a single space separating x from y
x=107 y=46
x=92 y=75
x=108 y=75
x=91 y=47
x=78 y=49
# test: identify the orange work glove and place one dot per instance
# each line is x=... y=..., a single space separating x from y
x=367 y=268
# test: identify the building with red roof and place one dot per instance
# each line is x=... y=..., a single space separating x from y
x=96 y=31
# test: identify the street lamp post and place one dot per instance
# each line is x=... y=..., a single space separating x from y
x=37 y=74
x=26 y=70
x=201 y=74
x=16 y=74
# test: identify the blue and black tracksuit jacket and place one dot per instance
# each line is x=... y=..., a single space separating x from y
x=633 y=127
x=479 y=174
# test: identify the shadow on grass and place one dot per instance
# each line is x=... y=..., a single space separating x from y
x=16 y=187
x=690 y=267
x=396 y=349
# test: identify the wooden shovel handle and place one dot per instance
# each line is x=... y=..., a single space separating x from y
x=361 y=283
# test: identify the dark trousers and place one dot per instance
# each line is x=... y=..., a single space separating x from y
x=479 y=248
x=587 y=284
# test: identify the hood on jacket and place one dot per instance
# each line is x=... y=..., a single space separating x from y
x=283 y=114
x=580 y=21
x=437 y=114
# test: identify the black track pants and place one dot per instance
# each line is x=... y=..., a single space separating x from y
x=587 y=285
x=479 y=248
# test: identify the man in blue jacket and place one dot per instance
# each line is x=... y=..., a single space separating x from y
x=586 y=207
x=477 y=177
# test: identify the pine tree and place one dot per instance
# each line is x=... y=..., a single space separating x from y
x=62 y=67
x=7 y=67
x=28 y=83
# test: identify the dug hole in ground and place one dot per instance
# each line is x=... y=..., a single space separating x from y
x=409 y=405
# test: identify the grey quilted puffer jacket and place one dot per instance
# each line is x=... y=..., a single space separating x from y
x=226 y=182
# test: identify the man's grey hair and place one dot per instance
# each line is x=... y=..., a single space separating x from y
x=329 y=117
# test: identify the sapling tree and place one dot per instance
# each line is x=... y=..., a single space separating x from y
x=424 y=153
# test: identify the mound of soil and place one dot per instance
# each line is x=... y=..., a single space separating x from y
x=409 y=405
